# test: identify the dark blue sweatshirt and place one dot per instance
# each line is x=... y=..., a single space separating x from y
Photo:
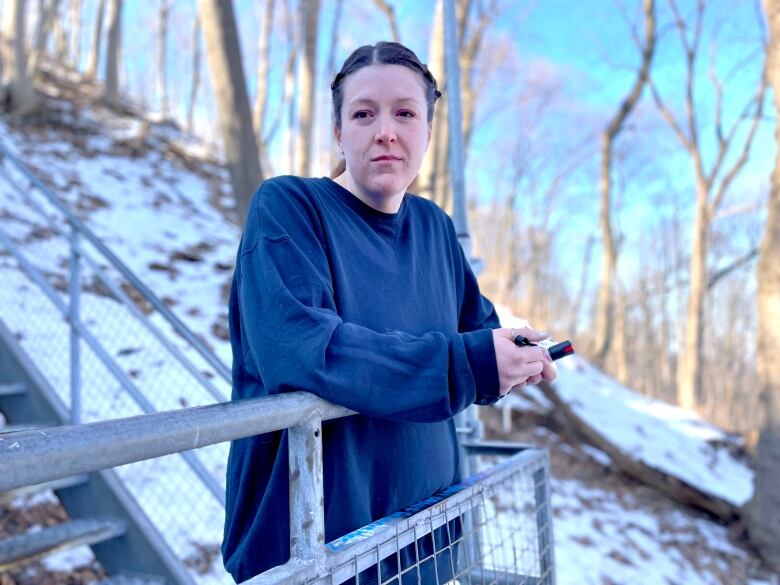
x=373 y=311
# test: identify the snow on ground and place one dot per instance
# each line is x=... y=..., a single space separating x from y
x=675 y=441
x=162 y=221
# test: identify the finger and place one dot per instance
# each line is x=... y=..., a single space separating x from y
x=531 y=333
x=534 y=379
x=550 y=371
x=533 y=353
x=531 y=369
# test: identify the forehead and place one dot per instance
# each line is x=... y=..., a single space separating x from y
x=384 y=83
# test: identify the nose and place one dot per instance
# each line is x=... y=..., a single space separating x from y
x=386 y=130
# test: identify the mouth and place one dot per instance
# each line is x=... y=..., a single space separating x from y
x=385 y=158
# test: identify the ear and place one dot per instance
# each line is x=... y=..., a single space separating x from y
x=337 y=134
x=428 y=141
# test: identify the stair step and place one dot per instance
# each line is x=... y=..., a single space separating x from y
x=132 y=579
x=30 y=546
x=56 y=484
x=18 y=427
x=12 y=389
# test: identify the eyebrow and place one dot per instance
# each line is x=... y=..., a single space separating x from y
x=373 y=103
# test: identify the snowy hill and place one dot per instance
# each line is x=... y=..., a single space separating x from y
x=161 y=208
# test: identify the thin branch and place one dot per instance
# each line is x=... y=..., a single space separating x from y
x=389 y=12
x=713 y=73
x=737 y=167
x=669 y=117
x=735 y=264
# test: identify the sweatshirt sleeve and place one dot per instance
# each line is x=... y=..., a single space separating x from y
x=297 y=341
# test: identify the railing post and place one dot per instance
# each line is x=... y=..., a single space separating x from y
x=544 y=529
x=307 y=504
x=74 y=316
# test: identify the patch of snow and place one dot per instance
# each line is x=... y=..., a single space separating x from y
x=69 y=559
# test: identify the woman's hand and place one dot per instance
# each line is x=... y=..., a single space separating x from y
x=518 y=366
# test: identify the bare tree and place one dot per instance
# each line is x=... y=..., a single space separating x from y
x=263 y=84
x=605 y=309
x=389 y=12
x=263 y=69
x=97 y=37
x=46 y=12
x=309 y=21
x=433 y=181
x=711 y=186
x=195 y=73
x=113 y=43
x=333 y=155
x=223 y=54
x=162 y=69
x=74 y=46
x=16 y=89
x=290 y=91
x=762 y=514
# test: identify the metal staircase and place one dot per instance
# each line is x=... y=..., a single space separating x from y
x=103 y=514
x=38 y=390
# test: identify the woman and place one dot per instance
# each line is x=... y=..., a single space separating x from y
x=357 y=291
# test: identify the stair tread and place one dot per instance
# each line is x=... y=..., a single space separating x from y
x=131 y=579
x=56 y=484
x=12 y=389
x=18 y=427
x=29 y=546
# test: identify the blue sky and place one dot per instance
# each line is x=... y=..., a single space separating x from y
x=565 y=67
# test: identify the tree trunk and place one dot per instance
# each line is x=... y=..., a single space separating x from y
x=605 y=308
x=291 y=85
x=162 y=70
x=113 y=43
x=605 y=312
x=20 y=96
x=434 y=165
x=75 y=34
x=676 y=488
x=46 y=12
x=97 y=37
x=762 y=513
x=223 y=54
x=195 y=74
x=263 y=71
x=689 y=362
x=309 y=11
x=263 y=85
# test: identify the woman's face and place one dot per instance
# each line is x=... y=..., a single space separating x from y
x=384 y=132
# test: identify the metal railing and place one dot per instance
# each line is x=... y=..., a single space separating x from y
x=494 y=527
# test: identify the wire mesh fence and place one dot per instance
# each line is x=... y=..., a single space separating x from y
x=492 y=529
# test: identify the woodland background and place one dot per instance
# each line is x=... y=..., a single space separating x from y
x=618 y=153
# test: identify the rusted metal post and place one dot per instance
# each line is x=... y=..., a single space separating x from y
x=307 y=504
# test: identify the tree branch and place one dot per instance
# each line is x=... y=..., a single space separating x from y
x=389 y=12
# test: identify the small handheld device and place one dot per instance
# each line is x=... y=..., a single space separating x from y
x=557 y=351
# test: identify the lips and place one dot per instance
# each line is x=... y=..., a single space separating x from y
x=385 y=157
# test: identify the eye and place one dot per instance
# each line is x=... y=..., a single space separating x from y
x=360 y=115
x=406 y=114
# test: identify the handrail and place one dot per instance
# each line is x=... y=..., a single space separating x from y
x=74 y=221
x=30 y=457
